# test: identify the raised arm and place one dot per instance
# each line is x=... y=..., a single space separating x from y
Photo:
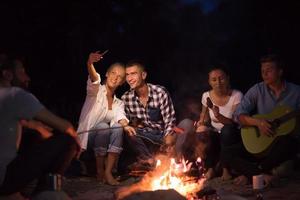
x=93 y=57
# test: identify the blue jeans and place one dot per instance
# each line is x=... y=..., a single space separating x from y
x=138 y=145
x=108 y=140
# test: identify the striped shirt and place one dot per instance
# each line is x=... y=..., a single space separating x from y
x=159 y=113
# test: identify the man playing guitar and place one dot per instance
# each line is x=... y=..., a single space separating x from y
x=262 y=98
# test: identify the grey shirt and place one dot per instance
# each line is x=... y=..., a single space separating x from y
x=15 y=104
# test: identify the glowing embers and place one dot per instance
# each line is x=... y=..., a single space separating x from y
x=167 y=175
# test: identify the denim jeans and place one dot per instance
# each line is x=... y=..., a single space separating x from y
x=110 y=139
x=138 y=145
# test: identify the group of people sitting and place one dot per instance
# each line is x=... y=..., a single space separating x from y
x=226 y=111
x=146 y=113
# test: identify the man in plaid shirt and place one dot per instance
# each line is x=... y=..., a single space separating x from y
x=152 y=110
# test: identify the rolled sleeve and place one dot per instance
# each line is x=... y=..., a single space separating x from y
x=92 y=88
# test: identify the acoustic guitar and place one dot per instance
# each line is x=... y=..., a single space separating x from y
x=283 y=121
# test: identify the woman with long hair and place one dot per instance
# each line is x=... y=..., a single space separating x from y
x=218 y=105
x=103 y=114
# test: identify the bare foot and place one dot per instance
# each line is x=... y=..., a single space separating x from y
x=226 y=175
x=110 y=179
x=241 y=180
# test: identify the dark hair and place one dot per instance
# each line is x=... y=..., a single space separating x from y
x=218 y=67
x=10 y=64
x=137 y=63
x=274 y=59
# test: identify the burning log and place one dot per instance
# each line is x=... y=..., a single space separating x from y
x=138 y=173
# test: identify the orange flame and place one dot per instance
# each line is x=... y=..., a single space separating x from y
x=167 y=175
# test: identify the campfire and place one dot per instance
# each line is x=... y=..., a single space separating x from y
x=167 y=175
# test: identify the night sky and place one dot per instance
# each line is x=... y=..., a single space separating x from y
x=178 y=40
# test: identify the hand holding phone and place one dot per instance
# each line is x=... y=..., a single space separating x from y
x=102 y=54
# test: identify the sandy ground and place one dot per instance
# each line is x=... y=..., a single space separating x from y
x=87 y=188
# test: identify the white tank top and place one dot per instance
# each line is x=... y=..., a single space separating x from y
x=226 y=110
x=109 y=116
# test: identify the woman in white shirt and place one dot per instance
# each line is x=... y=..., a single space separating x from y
x=104 y=113
x=218 y=105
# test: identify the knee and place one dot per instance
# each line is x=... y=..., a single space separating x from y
x=229 y=134
x=102 y=125
x=226 y=131
x=117 y=126
x=117 y=129
x=102 y=128
x=228 y=128
x=68 y=142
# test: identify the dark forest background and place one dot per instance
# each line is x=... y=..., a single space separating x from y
x=177 y=39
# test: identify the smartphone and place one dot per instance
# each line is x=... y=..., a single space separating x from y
x=104 y=52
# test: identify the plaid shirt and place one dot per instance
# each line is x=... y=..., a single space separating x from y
x=159 y=113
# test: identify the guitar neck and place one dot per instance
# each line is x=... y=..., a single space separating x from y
x=288 y=116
